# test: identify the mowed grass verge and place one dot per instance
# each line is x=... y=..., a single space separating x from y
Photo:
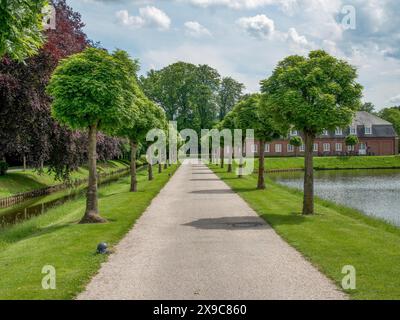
x=336 y=236
x=23 y=181
x=57 y=239
x=333 y=163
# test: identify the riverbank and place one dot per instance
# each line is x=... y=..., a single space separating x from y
x=333 y=238
x=333 y=163
x=15 y=182
x=56 y=239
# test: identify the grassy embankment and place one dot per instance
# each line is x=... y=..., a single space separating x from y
x=332 y=163
x=23 y=181
x=57 y=239
x=336 y=236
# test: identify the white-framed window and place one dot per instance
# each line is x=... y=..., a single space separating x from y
x=353 y=130
x=350 y=148
x=278 y=148
x=267 y=147
x=302 y=148
x=338 y=132
x=368 y=130
x=315 y=147
x=254 y=148
x=338 y=147
x=290 y=148
x=363 y=146
x=327 y=147
x=325 y=132
x=294 y=133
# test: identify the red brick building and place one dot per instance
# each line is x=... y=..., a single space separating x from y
x=376 y=137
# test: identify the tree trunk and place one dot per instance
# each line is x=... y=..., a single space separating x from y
x=150 y=170
x=166 y=165
x=159 y=168
x=308 y=203
x=241 y=162
x=92 y=212
x=229 y=167
x=261 y=168
x=133 y=167
x=222 y=153
x=24 y=160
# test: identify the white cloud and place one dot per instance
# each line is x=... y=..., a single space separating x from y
x=196 y=30
x=259 y=26
x=148 y=17
x=242 y=4
x=395 y=100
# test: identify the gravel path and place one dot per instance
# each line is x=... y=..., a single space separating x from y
x=199 y=240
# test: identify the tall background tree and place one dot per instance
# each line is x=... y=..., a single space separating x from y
x=21 y=26
x=229 y=93
x=312 y=94
x=93 y=90
x=194 y=96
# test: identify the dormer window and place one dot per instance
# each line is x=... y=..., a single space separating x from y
x=353 y=131
x=368 y=130
x=294 y=133
x=325 y=132
x=338 y=132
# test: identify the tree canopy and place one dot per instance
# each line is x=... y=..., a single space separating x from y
x=21 y=28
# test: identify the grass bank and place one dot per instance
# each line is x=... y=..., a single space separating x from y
x=57 y=239
x=336 y=236
x=23 y=181
x=332 y=163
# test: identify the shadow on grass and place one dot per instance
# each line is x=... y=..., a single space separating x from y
x=276 y=219
x=229 y=223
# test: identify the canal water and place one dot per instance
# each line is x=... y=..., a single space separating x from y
x=374 y=192
x=40 y=205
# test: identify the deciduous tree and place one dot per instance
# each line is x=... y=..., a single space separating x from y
x=92 y=90
x=313 y=93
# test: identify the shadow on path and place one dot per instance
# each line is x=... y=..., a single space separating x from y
x=229 y=223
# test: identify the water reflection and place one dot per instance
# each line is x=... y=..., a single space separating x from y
x=40 y=205
x=375 y=192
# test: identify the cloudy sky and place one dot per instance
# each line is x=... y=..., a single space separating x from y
x=246 y=38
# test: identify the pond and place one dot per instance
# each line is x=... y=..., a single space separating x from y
x=374 y=192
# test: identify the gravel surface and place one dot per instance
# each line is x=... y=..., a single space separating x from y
x=199 y=240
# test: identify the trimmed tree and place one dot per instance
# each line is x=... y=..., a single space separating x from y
x=229 y=123
x=312 y=94
x=92 y=90
x=351 y=141
x=253 y=113
x=296 y=142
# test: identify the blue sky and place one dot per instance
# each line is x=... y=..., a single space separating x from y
x=246 y=38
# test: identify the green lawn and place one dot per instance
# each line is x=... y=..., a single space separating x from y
x=24 y=181
x=57 y=239
x=336 y=236
x=321 y=163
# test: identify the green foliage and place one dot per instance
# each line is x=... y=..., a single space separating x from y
x=314 y=93
x=368 y=107
x=393 y=116
x=351 y=140
x=94 y=87
x=251 y=113
x=229 y=93
x=3 y=168
x=296 y=141
x=21 y=28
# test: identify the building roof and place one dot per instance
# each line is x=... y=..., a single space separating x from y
x=363 y=118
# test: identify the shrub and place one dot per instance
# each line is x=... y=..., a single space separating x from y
x=3 y=168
